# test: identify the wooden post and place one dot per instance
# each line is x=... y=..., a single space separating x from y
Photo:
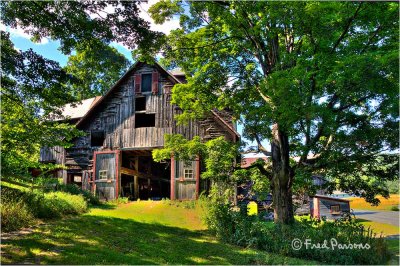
x=316 y=207
x=136 y=178
x=197 y=177
x=172 y=197
x=118 y=160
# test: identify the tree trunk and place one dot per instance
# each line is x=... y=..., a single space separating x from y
x=282 y=177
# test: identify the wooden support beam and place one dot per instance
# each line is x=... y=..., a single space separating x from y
x=197 y=175
x=172 y=194
x=136 y=178
x=131 y=172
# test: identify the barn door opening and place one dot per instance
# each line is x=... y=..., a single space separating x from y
x=106 y=174
x=142 y=178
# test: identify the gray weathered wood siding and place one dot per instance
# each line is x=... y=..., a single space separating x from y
x=52 y=154
x=185 y=188
x=325 y=208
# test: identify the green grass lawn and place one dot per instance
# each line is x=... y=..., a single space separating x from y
x=135 y=233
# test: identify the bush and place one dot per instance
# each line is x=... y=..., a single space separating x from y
x=76 y=190
x=58 y=204
x=394 y=208
x=18 y=207
x=234 y=226
x=14 y=215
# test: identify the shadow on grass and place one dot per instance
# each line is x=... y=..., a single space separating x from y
x=104 y=206
x=103 y=240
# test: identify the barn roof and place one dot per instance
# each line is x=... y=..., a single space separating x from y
x=76 y=110
x=329 y=198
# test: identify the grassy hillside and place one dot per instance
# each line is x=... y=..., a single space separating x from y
x=385 y=205
x=135 y=233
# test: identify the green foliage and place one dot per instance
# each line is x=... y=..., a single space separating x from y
x=394 y=208
x=32 y=87
x=76 y=190
x=119 y=200
x=58 y=204
x=15 y=214
x=97 y=67
x=27 y=206
x=217 y=154
x=234 y=226
x=393 y=186
x=76 y=23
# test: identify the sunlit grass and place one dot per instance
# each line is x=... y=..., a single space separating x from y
x=135 y=233
x=385 y=204
x=380 y=228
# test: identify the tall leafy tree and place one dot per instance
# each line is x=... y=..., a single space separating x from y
x=318 y=80
x=33 y=87
x=77 y=22
x=85 y=30
x=97 y=67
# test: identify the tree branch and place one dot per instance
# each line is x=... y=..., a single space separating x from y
x=352 y=104
x=371 y=38
x=260 y=147
x=260 y=167
x=346 y=29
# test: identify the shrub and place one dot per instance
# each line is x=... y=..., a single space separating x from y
x=234 y=226
x=14 y=215
x=394 y=208
x=76 y=190
x=43 y=205
x=58 y=204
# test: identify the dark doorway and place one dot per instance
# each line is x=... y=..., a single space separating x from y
x=142 y=178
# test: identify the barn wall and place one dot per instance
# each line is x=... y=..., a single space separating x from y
x=325 y=208
x=54 y=155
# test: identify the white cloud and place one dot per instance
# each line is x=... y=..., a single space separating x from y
x=19 y=32
x=165 y=27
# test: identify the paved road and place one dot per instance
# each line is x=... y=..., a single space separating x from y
x=385 y=217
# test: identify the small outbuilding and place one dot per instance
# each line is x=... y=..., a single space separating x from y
x=324 y=207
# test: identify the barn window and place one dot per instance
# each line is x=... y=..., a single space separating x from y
x=97 y=138
x=77 y=178
x=103 y=174
x=335 y=209
x=188 y=173
x=145 y=120
x=146 y=83
x=140 y=104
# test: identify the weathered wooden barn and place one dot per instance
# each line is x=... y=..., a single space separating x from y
x=123 y=127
